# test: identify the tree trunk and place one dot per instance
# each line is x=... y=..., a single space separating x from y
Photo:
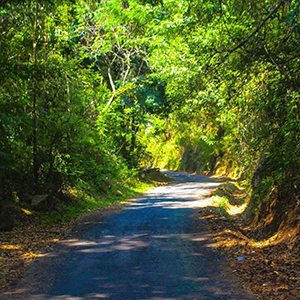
x=34 y=102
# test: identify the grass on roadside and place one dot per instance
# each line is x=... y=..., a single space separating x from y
x=85 y=201
x=84 y=198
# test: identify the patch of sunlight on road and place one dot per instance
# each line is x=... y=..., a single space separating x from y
x=176 y=204
x=193 y=237
x=115 y=243
x=196 y=279
x=188 y=196
x=183 y=190
x=133 y=242
x=69 y=297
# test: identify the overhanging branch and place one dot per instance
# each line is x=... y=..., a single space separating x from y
x=243 y=42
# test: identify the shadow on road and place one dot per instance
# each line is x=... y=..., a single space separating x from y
x=155 y=249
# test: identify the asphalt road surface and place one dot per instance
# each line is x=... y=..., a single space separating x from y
x=154 y=249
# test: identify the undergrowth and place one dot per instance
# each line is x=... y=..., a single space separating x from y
x=85 y=198
x=84 y=201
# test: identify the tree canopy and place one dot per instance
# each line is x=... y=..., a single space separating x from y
x=92 y=90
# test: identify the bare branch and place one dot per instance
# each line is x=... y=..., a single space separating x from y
x=128 y=68
x=243 y=42
x=111 y=81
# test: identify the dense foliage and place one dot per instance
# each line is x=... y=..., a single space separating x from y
x=92 y=90
x=232 y=69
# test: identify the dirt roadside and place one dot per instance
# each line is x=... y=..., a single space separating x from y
x=21 y=246
x=266 y=270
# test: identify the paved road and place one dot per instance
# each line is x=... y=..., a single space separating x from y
x=154 y=249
